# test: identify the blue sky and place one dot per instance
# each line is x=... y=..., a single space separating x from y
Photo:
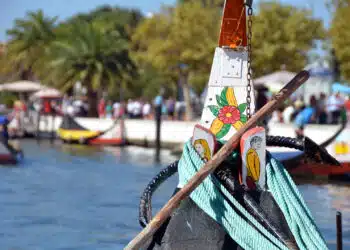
x=12 y=9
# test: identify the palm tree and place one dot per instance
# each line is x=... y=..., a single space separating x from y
x=28 y=39
x=84 y=53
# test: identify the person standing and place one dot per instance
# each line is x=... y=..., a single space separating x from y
x=321 y=106
x=305 y=116
x=171 y=108
x=116 y=110
x=146 y=110
x=109 y=110
x=101 y=108
x=334 y=106
x=65 y=104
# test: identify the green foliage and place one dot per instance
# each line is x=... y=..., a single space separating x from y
x=282 y=36
x=340 y=31
x=8 y=99
x=97 y=59
x=99 y=48
x=111 y=19
x=206 y=3
x=187 y=34
x=28 y=40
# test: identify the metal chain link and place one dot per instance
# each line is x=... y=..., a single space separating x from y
x=249 y=75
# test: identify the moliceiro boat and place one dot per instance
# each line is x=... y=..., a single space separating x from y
x=232 y=192
x=334 y=139
x=70 y=131
x=10 y=151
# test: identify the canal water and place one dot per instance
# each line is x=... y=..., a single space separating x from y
x=78 y=197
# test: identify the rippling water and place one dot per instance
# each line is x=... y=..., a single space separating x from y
x=76 y=197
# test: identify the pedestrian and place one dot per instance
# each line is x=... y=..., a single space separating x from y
x=321 y=107
x=334 y=106
x=306 y=116
x=170 y=105
x=109 y=109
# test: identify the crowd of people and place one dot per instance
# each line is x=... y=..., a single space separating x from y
x=319 y=110
x=142 y=109
x=106 y=108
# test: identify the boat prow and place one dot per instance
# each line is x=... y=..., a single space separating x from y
x=10 y=153
x=302 y=163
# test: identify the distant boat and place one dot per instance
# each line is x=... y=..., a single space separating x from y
x=10 y=155
x=70 y=131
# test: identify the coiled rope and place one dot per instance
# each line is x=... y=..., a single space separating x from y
x=145 y=208
x=213 y=198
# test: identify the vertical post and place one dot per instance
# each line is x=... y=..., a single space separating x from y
x=53 y=127
x=339 y=232
x=38 y=118
x=158 y=118
x=122 y=110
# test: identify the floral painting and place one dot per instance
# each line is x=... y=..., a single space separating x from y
x=227 y=112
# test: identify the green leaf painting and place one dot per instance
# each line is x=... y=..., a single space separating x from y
x=214 y=110
x=242 y=107
x=224 y=130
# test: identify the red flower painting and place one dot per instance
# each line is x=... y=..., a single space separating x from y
x=227 y=112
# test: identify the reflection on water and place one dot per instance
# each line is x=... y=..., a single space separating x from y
x=79 y=197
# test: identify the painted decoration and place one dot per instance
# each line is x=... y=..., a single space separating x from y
x=229 y=114
x=253 y=152
x=204 y=142
x=225 y=106
x=342 y=144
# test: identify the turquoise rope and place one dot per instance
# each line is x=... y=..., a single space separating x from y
x=211 y=197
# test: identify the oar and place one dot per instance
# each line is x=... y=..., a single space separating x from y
x=211 y=165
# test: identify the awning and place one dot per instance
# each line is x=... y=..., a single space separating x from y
x=21 y=86
x=337 y=87
x=47 y=92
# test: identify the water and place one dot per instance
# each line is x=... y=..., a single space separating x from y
x=76 y=197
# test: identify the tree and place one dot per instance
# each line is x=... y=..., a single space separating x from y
x=109 y=19
x=206 y=3
x=340 y=32
x=282 y=37
x=28 y=39
x=184 y=35
x=96 y=59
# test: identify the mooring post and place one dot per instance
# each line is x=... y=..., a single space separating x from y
x=53 y=127
x=158 y=117
x=38 y=118
x=339 y=232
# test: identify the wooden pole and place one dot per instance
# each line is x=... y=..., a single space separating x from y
x=339 y=232
x=158 y=118
x=219 y=157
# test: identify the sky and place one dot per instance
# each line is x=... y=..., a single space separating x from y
x=12 y=9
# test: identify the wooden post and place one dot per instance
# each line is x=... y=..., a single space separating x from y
x=158 y=118
x=339 y=232
x=38 y=118
x=211 y=165
x=53 y=118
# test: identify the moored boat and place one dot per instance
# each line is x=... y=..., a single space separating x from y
x=10 y=153
x=70 y=131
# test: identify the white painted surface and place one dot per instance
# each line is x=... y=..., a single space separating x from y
x=229 y=69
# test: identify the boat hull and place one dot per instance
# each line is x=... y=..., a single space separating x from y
x=72 y=131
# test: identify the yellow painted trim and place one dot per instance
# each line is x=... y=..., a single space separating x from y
x=67 y=134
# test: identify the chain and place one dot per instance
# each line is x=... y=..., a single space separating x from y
x=249 y=75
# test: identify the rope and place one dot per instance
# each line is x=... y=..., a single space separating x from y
x=145 y=207
x=213 y=198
